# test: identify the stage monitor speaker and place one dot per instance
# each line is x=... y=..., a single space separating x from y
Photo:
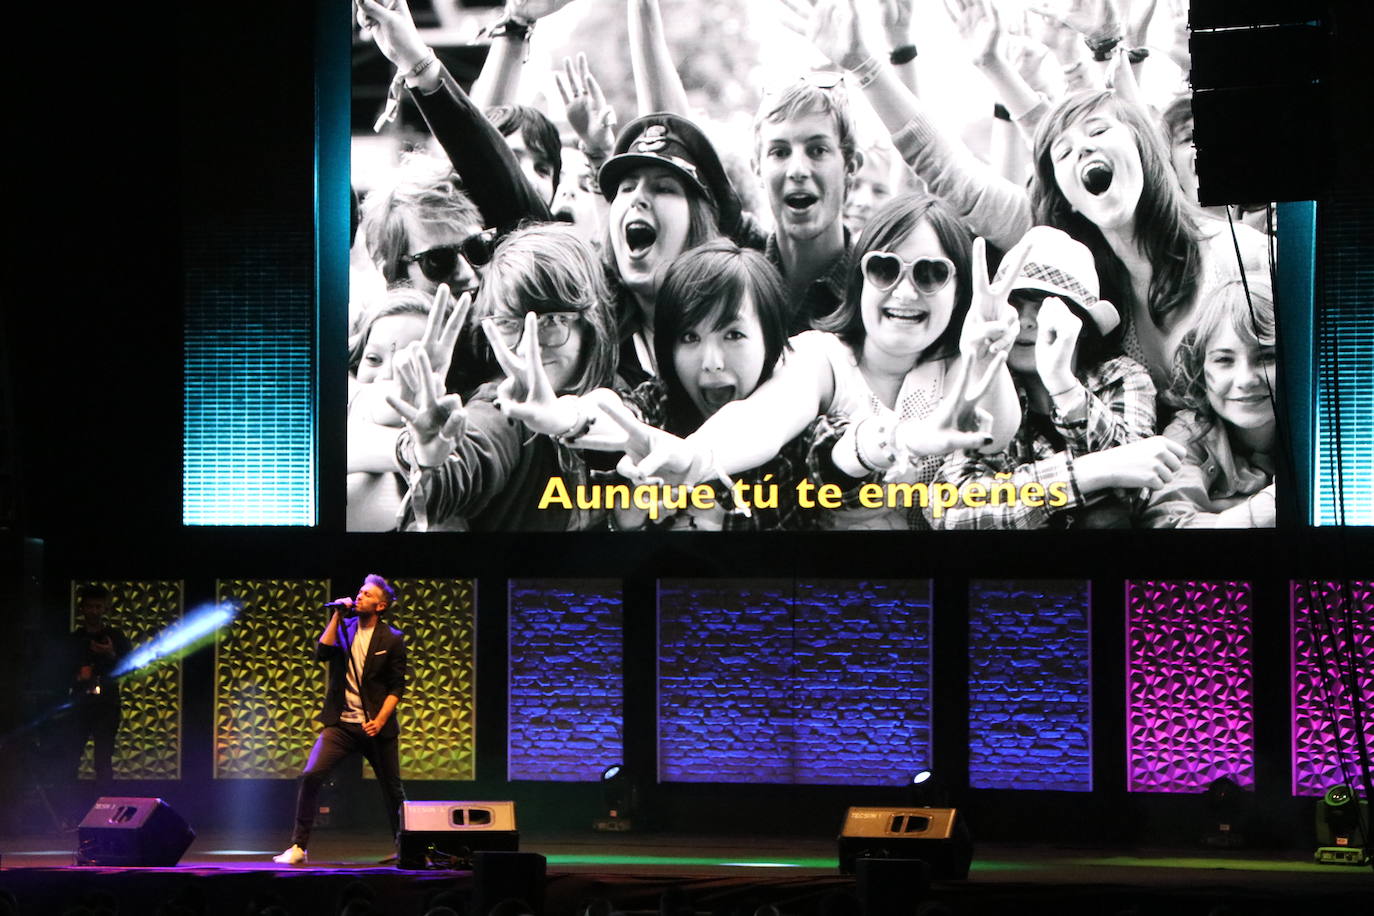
x=136 y=832
x=937 y=836
x=500 y=876
x=446 y=834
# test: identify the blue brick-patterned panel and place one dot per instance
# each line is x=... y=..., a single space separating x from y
x=1030 y=676
x=725 y=660
x=863 y=681
x=777 y=681
x=566 y=700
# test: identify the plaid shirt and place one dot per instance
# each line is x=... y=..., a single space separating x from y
x=825 y=293
x=1119 y=408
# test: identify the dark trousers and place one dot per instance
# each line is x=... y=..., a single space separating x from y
x=334 y=744
x=98 y=720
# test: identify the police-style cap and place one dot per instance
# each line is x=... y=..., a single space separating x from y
x=674 y=143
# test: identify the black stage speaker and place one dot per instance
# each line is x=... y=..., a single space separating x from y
x=498 y=876
x=126 y=832
x=937 y=836
x=446 y=834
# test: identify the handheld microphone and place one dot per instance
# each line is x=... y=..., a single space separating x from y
x=342 y=602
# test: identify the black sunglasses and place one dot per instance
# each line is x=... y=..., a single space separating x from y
x=438 y=264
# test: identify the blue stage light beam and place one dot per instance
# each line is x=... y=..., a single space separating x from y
x=202 y=622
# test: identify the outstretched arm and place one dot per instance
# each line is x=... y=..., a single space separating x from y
x=476 y=149
x=993 y=207
x=657 y=84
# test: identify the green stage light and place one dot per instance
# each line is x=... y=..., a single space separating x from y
x=1342 y=828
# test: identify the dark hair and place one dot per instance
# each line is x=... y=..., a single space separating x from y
x=1164 y=224
x=539 y=133
x=703 y=225
x=710 y=281
x=387 y=591
x=86 y=593
x=548 y=268
x=1093 y=347
x=889 y=226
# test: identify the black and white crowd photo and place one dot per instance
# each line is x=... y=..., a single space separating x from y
x=797 y=265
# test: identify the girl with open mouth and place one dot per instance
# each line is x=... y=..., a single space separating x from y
x=900 y=368
x=1102 y=174
x=668 y=192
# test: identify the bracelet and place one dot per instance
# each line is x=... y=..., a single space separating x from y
x=867 y=72
x=887 y=456
x=999 y=111
x=1073 y=481
x=1138 y=54
x=1057 y=394
x=1102 y=47
x=425 y=63
x=577 y=430
x=858 y=452
x=514 y=27
x=903 y=54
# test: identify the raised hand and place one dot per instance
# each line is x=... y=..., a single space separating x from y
x=436 y=419
x=832 y=27
x=1093 y=19
x=443 y=327
x=393 y=29
x=1056 y=336
x=588 y=111
x=980 y=25
x=533 y=9
x=991 y=325
x=897 y=21
x=958 y=423
x=527 y=395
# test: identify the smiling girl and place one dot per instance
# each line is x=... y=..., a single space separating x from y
x=914 y=303
x=1225 y=378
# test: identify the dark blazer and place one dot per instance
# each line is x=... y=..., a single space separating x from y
x=384 y=672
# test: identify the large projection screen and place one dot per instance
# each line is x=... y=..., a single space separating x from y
x=753 y=275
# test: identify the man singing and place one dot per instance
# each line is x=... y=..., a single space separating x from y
x=367 y=678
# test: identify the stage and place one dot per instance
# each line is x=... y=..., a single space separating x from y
x=717 y=875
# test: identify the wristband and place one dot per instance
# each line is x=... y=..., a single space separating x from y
x=999 y=111
x=1138 y=54
x=514 y=27
x=866 y=72
x=903 y=54
x=1102 y=47
x=577 y=430
x=425 y=63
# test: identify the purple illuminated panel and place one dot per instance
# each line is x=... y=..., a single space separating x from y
x=1189 y=685
x=1333 y=640
x=566 y=704
x=1029 y=692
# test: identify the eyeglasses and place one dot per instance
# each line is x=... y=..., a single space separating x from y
x=438 y=263
x=819 y=79
x=884 y=270
x=554 y=328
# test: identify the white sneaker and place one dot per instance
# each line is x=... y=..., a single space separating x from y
x=293 y=856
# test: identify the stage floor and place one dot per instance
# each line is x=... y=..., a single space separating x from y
x=718 y=874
